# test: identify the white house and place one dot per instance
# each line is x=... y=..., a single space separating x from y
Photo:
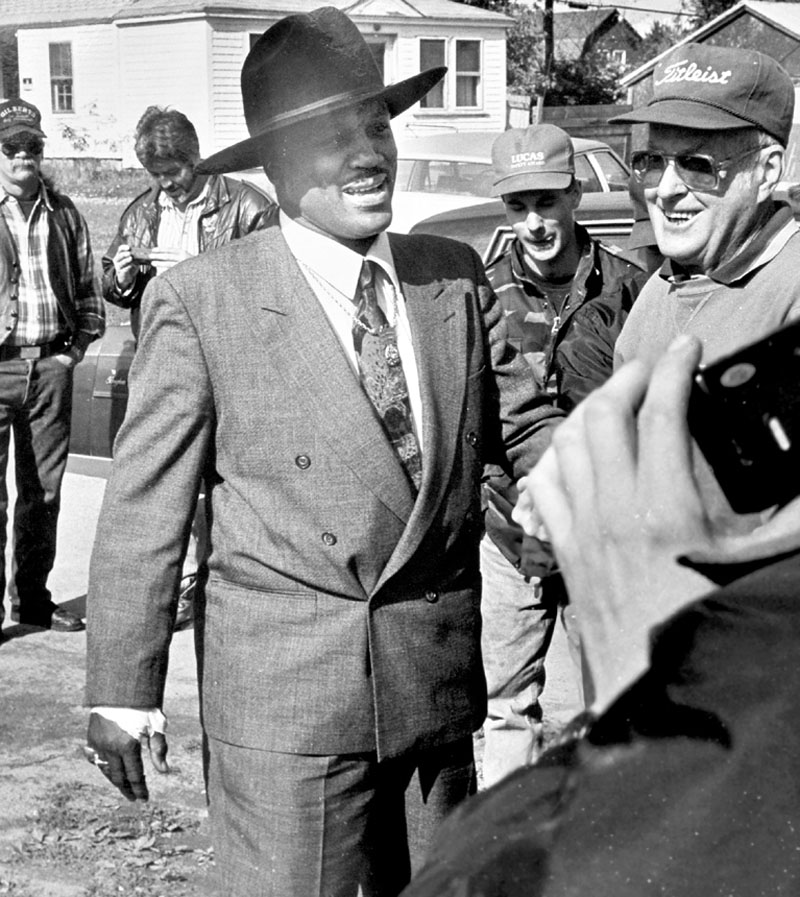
x=93 y=66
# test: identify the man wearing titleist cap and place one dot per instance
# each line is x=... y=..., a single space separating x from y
x=340 y=390
x=50 y=309
x=547 y=276
x=719 y=121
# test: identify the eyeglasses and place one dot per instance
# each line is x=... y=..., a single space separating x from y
x=33 y=146
x=697 y=171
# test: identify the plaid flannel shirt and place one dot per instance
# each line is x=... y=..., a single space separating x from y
x=39 y=321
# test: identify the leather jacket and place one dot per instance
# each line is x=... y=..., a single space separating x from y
x=232 y=209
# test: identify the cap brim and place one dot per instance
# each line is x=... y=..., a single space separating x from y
x=691 y=114
x=541 y=180
x=21 y=129
x=250 y=153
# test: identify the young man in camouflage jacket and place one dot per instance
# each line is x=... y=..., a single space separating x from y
x=552 y=269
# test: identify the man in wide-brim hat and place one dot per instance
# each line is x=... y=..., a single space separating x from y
x=339 y=390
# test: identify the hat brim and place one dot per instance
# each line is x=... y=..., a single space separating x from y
x=692 y=114
x=540 y=180
x=250 y=153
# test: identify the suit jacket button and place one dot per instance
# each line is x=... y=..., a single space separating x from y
x=431 y=596
x=303 y=462
x=472 y=438
x=329 y=538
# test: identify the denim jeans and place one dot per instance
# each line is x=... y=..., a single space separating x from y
x=519 y=617
x=36 y=405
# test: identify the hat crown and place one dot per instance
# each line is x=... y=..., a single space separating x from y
x=746 y=84
x=539 y=157
x=305 y=66
x=17 y=116
x=278 y=83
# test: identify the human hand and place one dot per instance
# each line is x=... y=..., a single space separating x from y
x=165 y=257
x=617 y=495
x=118 y=755
x=125 y=266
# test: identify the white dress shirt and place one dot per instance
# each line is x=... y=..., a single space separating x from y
x=332 y=271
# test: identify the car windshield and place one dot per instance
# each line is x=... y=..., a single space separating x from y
x=468 y=178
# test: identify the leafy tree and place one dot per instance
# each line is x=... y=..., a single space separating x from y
x=587 y=81
x=658 y=39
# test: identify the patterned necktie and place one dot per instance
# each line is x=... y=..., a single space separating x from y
x=382 y=374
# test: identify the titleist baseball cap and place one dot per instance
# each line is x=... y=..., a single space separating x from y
x=539 y=157
x=719 y=88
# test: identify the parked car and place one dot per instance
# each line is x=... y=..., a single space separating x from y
x=99 y=399
x=444 y=181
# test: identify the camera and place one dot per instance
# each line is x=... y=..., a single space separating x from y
x=744 y=414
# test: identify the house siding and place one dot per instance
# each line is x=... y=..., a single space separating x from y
x=93 y=126
x=193 y=63
x=164 y=64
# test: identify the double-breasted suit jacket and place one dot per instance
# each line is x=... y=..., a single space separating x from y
x=341 y=613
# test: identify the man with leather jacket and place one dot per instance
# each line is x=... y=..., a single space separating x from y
x=183 y=214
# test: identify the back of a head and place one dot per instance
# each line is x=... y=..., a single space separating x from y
x=165 y=135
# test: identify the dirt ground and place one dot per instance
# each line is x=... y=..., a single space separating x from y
x=64 y=830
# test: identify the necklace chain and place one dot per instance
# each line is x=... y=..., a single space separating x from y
x=347 y=305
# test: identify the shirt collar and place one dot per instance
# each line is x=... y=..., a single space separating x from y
x=337 y=264
x=768 y=241
x=42 y=195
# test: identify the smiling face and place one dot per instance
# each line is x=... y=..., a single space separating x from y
x=544 y=223
x=335 y=174
x=702 y=230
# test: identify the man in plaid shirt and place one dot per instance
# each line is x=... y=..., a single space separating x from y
x=50 y=310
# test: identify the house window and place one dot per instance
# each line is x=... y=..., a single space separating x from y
x=378 y=50
x=61 y=78
x=468 y=73
x=461 y=87
x=432 y=53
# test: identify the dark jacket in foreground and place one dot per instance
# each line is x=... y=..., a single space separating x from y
x=689 y=786
x=342 y=614
x=232 y=209
x=539 y=332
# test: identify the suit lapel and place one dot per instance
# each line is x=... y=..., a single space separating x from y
x=437 y=318
x=310 y=355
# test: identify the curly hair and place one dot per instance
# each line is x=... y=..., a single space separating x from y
x=165 y=134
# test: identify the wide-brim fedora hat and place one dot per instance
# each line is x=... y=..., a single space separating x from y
x=308 y=65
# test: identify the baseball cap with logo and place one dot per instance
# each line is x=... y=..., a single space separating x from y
x=719 y=88
x=18 y=116
x=539 y=157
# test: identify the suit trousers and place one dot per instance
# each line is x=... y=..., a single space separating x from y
x=291 y=825
x=36 y=405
